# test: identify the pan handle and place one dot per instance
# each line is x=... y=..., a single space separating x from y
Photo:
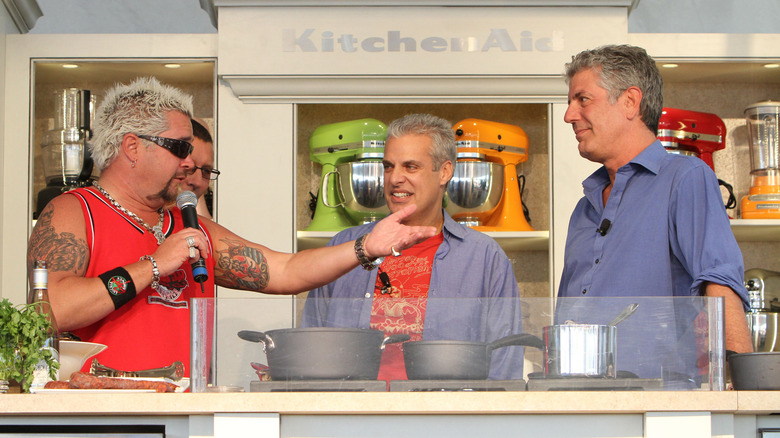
x=255 y=336
x=519 y=339
x=394 y=339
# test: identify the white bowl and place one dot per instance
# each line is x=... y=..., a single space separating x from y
x=73 y=355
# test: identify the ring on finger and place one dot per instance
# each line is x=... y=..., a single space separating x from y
x=190 y=241
x=193 y=252
x=395 y=253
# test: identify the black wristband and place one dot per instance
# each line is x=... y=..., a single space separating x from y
x=119 y=285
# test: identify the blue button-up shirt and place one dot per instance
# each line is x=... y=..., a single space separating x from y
x=669 y=232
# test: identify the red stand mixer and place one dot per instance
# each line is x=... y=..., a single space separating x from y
x=763 y=199
x=692 y=133
x=696 y=134
x=484 y=192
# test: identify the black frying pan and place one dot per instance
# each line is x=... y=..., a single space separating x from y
x=457 y=360
x=322 y=352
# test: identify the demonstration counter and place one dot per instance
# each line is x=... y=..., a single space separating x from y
x=517 y=414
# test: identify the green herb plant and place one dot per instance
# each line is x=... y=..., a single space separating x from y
x=22 y=335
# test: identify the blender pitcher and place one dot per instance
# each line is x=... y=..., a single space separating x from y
x=763 y=123
x=67 y=163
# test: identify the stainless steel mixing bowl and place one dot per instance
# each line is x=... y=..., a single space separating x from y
x=475 y=189
x=763 y=330
x=361 y=185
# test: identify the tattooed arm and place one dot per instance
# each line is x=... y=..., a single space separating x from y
x=241 y=264
x=59 y=238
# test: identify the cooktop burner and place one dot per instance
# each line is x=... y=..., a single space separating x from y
x=593 y=384
x=319 y=386
x=456 y=385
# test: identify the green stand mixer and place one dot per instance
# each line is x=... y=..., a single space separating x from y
x=352 y=181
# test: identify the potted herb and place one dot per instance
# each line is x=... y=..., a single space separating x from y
x=23 y=332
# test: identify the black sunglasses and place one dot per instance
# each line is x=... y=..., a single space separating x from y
x=180 y=148
x=211 y=174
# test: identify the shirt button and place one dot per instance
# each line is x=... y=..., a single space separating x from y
x=597 y=261
x=584 y=291
x=368 y=295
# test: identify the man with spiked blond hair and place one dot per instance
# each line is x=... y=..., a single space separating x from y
x=120 y=263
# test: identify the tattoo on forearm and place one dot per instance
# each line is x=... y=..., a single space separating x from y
x=242 y=267
x=62 y=252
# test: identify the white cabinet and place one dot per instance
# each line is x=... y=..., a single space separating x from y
x=22 y=53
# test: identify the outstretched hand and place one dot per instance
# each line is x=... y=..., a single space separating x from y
x=391 y=233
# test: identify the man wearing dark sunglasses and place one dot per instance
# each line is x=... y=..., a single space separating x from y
x=203 y=172
x=119 y=261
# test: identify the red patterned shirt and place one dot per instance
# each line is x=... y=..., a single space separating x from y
x=401 y=308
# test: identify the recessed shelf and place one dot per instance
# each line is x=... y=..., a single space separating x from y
x=756 y=230
x=509 y=240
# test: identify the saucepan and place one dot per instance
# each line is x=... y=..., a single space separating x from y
x=754 y=371
x=327 y=353
x=457 y=360
x=583 y=350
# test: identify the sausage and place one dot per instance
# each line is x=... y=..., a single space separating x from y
x=79 y=380
x=57 y=384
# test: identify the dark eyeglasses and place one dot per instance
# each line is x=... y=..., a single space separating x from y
x=207 y=173
x=179 y=148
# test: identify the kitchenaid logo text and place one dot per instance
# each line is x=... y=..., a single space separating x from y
x=497 y=39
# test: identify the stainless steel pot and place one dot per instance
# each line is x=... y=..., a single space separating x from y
x=583 y=350
x=580 y=350
x=325 y=353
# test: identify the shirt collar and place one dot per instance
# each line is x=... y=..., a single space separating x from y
x=650 y=158
x=452 y=227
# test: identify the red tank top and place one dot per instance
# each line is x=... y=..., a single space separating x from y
x=152 y=330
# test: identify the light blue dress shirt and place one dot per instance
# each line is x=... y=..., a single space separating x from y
x=669 y=234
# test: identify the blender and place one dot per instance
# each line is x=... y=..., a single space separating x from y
x=67 y=163
x=352 y=180
x=696 y=134
x=485 y=190
x=763 y=199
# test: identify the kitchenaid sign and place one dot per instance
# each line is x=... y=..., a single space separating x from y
x=312 y=40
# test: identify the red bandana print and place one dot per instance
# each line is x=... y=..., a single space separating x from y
x=402 y=310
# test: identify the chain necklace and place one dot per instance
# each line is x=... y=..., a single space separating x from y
x=155 y=230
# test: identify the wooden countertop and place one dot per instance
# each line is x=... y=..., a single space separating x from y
x=565 y=402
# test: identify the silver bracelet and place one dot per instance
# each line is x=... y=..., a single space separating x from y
x=155 y=272
x=367 y=263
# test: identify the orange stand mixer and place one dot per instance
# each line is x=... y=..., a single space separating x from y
x=484 y=192
x=763 y=199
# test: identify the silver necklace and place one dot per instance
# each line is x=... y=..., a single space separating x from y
x=155 y=230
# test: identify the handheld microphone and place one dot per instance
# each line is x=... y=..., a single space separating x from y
x=187 y=201
x=603 y=229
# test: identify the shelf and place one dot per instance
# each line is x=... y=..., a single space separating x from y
x=509 y=240
x=745 y=230
x=756 y=230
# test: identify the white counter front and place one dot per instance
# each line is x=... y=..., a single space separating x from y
x=516 y=414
